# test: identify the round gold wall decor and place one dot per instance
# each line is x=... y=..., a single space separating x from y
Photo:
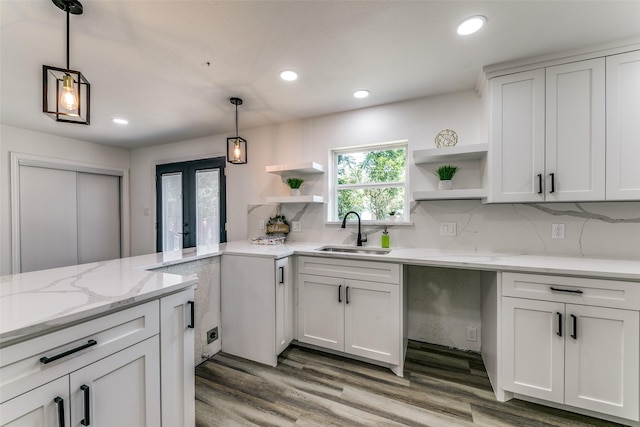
x=446 y=138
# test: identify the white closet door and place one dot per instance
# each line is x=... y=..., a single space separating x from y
x=48 y=221
x=98 y=217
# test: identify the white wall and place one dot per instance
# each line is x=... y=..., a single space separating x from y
x=14 y=139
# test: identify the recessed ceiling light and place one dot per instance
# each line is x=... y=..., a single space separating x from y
x=288 y=75
x=120 y=121
x=471 y=25
x=362 y=93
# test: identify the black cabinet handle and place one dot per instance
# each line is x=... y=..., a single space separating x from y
x=46 y=359
x=347 y=293
x=559 y=332
x=539 y=183
x=281 y=275
x=574 y=319
x=570 y=291
x=192 y=322
x=60 y=404
x=553 y=182
x=87 y=405
x=340 y=293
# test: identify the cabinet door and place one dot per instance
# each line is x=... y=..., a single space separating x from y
x=372 y=320
x=321 y=311
x=38 y=408
x=575 y=131
x=123 y=389
x=623 y=126
x=178 y=363
x=602 y=360
x=533 y=348
x=284 y=305
x=517 y=137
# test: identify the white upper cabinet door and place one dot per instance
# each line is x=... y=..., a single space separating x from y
x=602 y=360
x=623 y=126
x=517 y=137
x=575 y=131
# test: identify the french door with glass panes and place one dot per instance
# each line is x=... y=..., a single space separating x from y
x=190 y=204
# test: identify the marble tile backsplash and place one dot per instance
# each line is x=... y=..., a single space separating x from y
x=597 y=230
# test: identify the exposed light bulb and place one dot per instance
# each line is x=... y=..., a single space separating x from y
x=68 y=99
x=237 y=153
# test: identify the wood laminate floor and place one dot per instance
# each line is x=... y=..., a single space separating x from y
x=441 y=387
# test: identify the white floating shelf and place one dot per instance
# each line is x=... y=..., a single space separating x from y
x=295 y=199
x=296 y=168
x=455 y=194
x=449 y=154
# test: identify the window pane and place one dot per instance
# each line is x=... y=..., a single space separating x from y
x=207 y=205
x=372 y=166
x=172 y=211
x=371 y=203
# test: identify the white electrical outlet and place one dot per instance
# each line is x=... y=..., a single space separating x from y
x=296 y=226
x=261 y=224
x=448 y=229
x=557 y=231
x=472 y=334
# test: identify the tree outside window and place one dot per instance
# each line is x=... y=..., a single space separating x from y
x=371 y=181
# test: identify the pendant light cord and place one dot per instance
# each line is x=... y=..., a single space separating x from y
x=236 y=121
x=68 y=8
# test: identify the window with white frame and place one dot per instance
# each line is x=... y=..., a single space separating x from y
x=371 y=180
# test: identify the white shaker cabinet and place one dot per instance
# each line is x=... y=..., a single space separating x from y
x=547 y=132
x=177 y=331
x=575 y=131
x=572 y=341
x=516 y=153
x=350 y=306
x=257 y=307
x=104 y=372
x=623 y=126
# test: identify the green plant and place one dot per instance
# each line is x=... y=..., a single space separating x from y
x=294 y=183
x=392 y=213
x=446 y=172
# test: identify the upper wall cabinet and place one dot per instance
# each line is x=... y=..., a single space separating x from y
x=565 y=162
x=623 y=126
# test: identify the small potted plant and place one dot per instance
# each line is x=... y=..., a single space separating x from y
x=294 y=184
x=393 y=216
x=446 y=174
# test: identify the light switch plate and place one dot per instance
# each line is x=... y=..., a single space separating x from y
x=296 y=226
x=448 y=229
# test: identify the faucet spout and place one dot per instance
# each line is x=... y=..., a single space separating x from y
x=344 y=224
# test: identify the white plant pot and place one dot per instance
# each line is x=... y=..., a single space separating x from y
x=295 y=191
x=445 y=185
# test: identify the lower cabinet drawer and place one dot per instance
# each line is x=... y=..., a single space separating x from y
x=574 y=290
x=372 y=271
x=28 y=364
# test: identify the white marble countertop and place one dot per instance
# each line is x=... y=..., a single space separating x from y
x=36 y=302
x=573 y=266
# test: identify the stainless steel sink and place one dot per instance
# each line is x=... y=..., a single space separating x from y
x=355 y=250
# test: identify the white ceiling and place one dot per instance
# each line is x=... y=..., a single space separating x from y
x=170 y=67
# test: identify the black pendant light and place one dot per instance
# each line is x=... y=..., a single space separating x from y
x=65 y=92
x=236 y=146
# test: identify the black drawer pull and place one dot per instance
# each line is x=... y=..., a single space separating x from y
x=46 y=359
x=539 y=183
x=87 y=405
x=60 y=404
x=559 y=332
x=570 y=291
x=340 y=293
x=281 y=275
x=553 y=183
x=192 y=322
x=574 y=335
x=347 y=294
